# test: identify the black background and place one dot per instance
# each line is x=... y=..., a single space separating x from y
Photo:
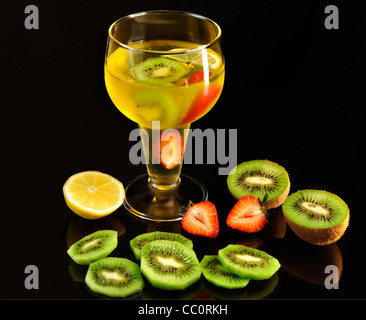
x=293 y=89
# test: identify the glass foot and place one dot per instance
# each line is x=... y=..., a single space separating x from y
x=149 y=203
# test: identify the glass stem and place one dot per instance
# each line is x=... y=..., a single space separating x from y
x=163 y=152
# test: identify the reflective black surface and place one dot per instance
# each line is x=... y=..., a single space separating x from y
x=293 y=90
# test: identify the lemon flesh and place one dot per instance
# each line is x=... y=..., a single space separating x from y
x=93 y=194
x=200 y=58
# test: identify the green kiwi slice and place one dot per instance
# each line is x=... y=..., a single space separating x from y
x=216 y=274
x=247 y=262
x=93 y=246
x=156 y=105
x=138 y=242
x=114 y=277
x=160 y=71
x=318 y=217
x=169 y=265
x=263 y=179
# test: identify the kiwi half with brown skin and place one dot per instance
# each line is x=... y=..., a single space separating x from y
x=318 y=217
x=263 y=179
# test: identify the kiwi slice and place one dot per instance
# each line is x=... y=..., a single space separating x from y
x=138 y=242
x=318 y=217
x=160 y=71
x=93 y=246
x=156 y=105
x=114 y=277
x=263 y=179
x=247 y=262
x=169 y=265
x=216 y=274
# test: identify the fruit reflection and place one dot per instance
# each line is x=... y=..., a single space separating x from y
x=308 y=262
x=254 y=290
x=79 y=227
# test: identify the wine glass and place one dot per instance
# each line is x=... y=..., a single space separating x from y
x=164 y=69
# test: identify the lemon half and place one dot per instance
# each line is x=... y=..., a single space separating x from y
x=93 y=194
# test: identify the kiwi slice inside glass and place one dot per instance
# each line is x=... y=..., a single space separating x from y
x=160 y=71
x=138 y=242
x=169 y=265
x=114 y=277
x=216 y=274
x=247 y=262
x=318 y=217
x=263 y=179
x=93 y=246
x=156 y=105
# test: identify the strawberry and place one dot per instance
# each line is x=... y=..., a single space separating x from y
x=168 y=149
x=201 y=219
x=202 y=102
x=247 y=215
x=197 y=76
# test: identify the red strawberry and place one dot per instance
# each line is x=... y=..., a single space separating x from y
x=197 y=76
x=247 y=215
x=168 y=149
x=202 y=220
x=203 y=101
